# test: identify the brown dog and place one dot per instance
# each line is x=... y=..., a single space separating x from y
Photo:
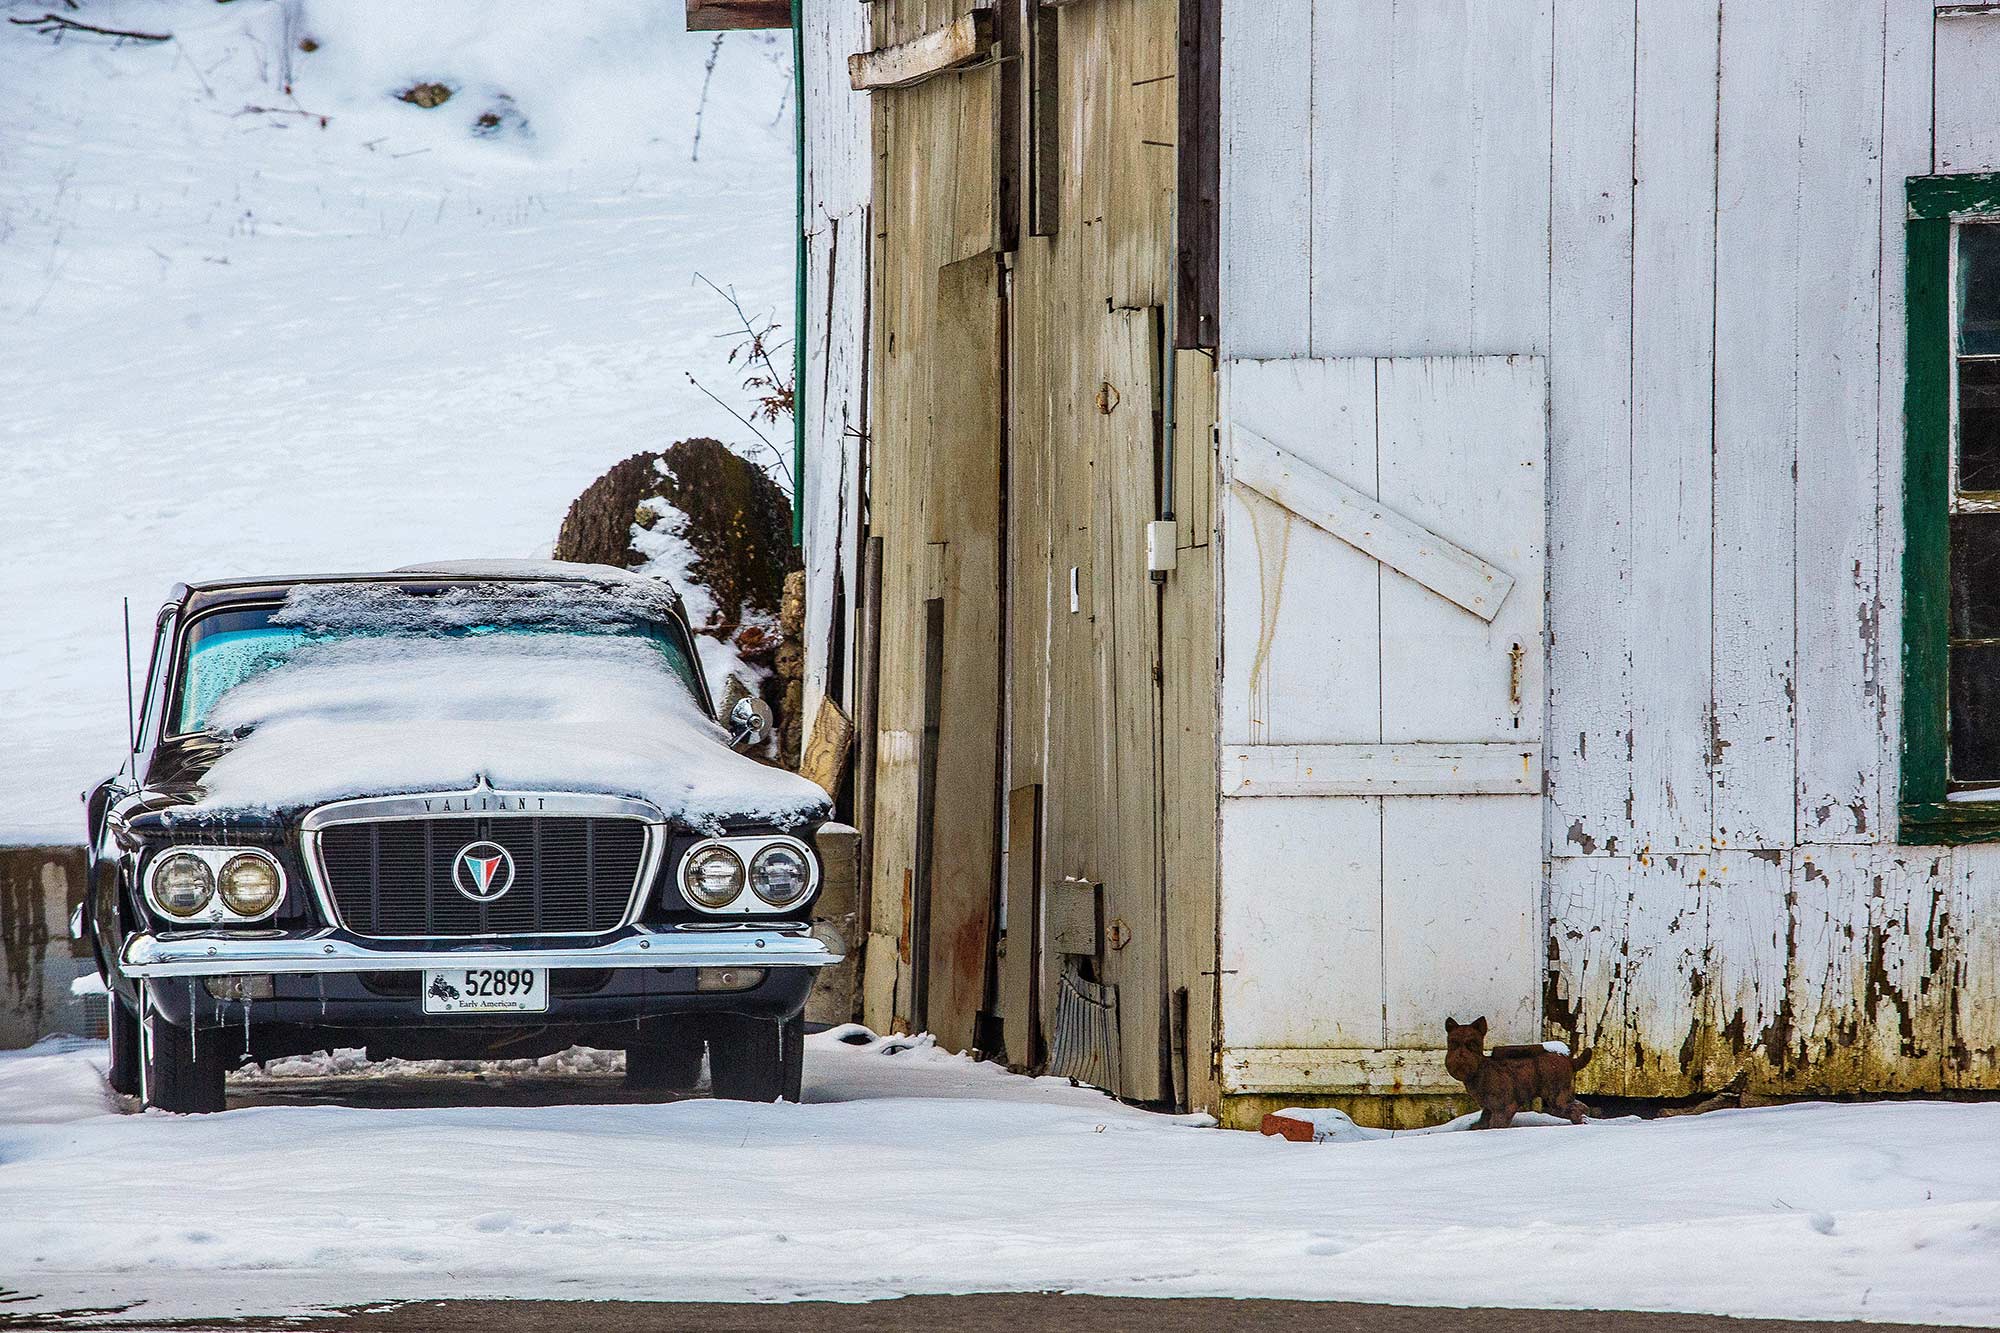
x=1509 y=1079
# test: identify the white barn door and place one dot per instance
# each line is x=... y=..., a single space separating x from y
x=1384 y=535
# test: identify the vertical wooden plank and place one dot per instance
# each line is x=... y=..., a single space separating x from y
x=1301 y=885
x=1583 y=999
x=1198 y=241
x=1430 y=178
x=1906 y=152
x=1673 y=366
x=1020 y=963
x=1760 y=198
x=963 y=445
x=1664 y=944
x=1840 y=668
x=1746 y=1013
x=1462 y=442
x=1349 y=199
x=1299 y=597
x=1511 y=94
x=1447 y=950
x=1141 y=71
x=1191 y=673
x=1972 y=975
x=1869 y=934
x=1267 y=118
x=1126 y=643
x=1589 y=755
x=1967 y=118
x=1301 y=922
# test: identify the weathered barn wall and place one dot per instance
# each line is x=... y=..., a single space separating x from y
x=1036 y=194
x=39 y=888
x=1695 y=212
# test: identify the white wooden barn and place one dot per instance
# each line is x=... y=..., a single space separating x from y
x=1598 y=524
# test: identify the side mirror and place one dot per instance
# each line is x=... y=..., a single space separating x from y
x=749 y=723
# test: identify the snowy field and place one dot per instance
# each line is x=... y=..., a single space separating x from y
x=912 y=1171
x=243 y=341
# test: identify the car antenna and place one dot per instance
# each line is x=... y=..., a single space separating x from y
x=131 y=718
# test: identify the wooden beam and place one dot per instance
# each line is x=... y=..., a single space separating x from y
x=1477 y=768
x=1198 y=263
x=736 y=15
x=1326 y=502
x=963 y=42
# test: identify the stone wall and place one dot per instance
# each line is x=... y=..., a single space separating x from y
x=39 y=887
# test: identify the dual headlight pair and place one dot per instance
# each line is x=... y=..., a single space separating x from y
x=215 y=884
x=777 y=872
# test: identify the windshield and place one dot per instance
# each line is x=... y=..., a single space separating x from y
x=225 y=649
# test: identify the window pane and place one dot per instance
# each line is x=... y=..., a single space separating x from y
x=1979 y=289
x=1975 y=713
x=1975 y=576
x=1978 y=426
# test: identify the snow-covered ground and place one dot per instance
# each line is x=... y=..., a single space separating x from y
x=909 y=1170
x=243 y=341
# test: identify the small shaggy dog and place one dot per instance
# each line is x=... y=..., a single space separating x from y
x=1512 y=1078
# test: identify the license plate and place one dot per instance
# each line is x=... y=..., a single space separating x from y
x=486 y=990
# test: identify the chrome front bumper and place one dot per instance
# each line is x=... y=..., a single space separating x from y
x=236 y=953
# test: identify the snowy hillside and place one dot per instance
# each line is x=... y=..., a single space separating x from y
x=251 y=330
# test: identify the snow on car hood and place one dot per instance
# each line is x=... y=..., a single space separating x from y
x=383 y=716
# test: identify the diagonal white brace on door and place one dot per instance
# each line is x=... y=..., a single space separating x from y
x=1326 y=502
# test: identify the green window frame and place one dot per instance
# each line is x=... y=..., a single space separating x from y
x=1937 y=206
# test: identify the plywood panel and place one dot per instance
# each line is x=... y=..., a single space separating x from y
x=1672 y=286
x=1590 y=435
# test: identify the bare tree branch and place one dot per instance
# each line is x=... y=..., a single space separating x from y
x=57 y=25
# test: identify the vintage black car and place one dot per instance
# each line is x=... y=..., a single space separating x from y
x=458 y=811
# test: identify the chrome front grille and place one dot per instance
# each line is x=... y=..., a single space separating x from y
x=398 y=878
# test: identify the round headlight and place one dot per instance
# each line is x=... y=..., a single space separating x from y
x=249 y=885
x=182 y=885
x=780 y=875
x=713 y=877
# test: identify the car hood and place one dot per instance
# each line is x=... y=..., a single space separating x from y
x=395 y=717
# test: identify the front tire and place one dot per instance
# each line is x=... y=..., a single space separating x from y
x=123 y=1030
x=180 y=1070
x=671 y=1063
x=757 y=1059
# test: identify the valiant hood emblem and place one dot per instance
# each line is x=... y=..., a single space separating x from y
x=483 y=871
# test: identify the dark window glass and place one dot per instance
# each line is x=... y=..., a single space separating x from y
x=1975 y=713
x=1975 y=576
x=1978 y=426
x=1979 y=289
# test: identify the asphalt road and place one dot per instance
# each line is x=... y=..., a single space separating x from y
x=1012 y=1313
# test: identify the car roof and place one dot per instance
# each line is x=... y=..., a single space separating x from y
x=209 y=593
